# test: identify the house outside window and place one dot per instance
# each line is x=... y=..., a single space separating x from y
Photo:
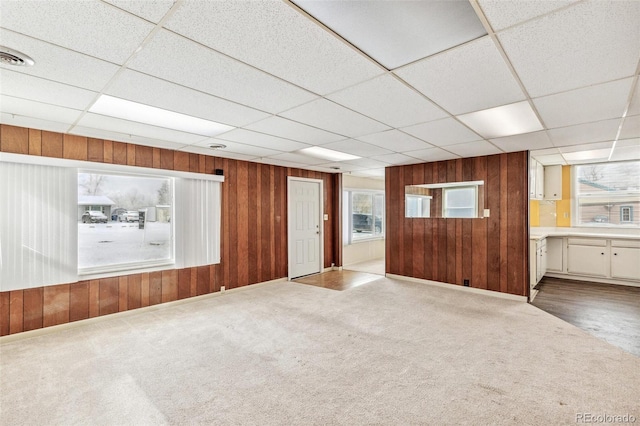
x=626 y=214
x=363 y=215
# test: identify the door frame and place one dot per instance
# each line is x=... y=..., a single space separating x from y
x=320 y=221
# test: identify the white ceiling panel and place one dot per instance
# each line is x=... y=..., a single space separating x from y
x=395 y=140
x=58 y=64
x=283 y=163
x=524 y=142
x=371 y=173
x=159 y=93
x=45 y=91
x=502 y=14
x=473 y=149
x=589 y=43
x=342 y=167
x=289 y=129
x=634 y=107
x=587 y=147
x=121 y=137
x=595 y=103
x=585 y=133
x=388 y=100
x=262 y=140
x=355 y=147
x=33 y=123
x=396 y=159
x=195 y=149
x=175 y=58
x=551 y=159
x=468 y=78
x=151 y=10
x=300 y=159
x=628 y=149
x=277 y=39
x=366 y=163
x=24 y=107
x=132 y=128
x=238 y=148
x=432 y=154
x=90 y=27
x=631 y=127
x=334 y=118
x=442 y=132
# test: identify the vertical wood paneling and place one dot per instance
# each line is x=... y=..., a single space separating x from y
x=94 y=298
x=242 y=225
x=14 y=139
x=143 y=156
x=144 y=289
x=33 y=308
x=166 y=159
x=169 y=285
x=490 y=252
x=181 y=161
x=119 y=153
x=131 y=155
x=74 y=147
x=202 y=285
x=253 y=218
x=155 y=288
x=134 y=291
x=4 y=313
x=123 y=293
x=109 y=295
x=108 y=151
x=51 y=144
x=35 y=142
x=95 y=150
x=194 y=163
x=79 y=301
x=56 y=305
x=156 y=158
x=184 y=283
x=232 y=221
x=16 y=311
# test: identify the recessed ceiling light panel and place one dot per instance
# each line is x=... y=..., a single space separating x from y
x=133 y=111
x=13 y=57
x=506 y=120
x=328 y=154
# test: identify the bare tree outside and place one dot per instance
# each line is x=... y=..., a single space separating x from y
x=91 y=184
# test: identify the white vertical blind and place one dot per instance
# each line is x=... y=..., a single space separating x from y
x=197 y=221
x=38 y=225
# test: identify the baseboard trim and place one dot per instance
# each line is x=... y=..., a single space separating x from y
x=629 y=283
x=459 y=288
x=124 y=314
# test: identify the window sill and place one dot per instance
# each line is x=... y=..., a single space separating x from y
x=119 y=270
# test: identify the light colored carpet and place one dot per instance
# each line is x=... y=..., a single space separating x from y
x=388 y=352
x=375 y=266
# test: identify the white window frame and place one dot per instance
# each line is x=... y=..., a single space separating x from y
x=445 y=198
x=348 y=204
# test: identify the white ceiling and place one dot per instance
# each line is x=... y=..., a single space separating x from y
x=286 y=81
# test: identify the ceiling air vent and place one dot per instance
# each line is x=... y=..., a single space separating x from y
x=13 y=57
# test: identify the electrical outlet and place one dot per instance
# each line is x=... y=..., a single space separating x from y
x=466 y=283
x=221 y=289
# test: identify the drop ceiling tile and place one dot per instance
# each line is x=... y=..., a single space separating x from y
x=396 y=159
x=366 y=163
x=296 y=158
x=631 y=127
x=342 y=167
x=281 y=163
x=371 y=173
x=585 y=133
x=468 y=78
x=278 y=40
x=151 y=10
x=32 y=123
x=397 y=33
x=94 y=28
x=389 y=101
x=473 y=149
x=238 y=148
x=138 y=129
x=547 y=151
x=262 y=140
x=594 y=103
x=442 y=132
x=589 y=43
x=144 y=89
x=524 y=142
x=433 y=154
x=289 y=129
x=628 y=149
x=165 y=57
x=586 y=147
x=27 y=108
x=221 y=154
x=45 y=91
x=332 y=117
x=355 y=147
x=395 y=140
x=121 y=137
x=58 y=64
x=551 y=159
x=634 y=107
x=502 y=14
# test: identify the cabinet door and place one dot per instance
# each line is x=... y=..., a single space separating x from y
x=625 y=263
x=532 y=178
x=553 y=183
x=543 y=261
x=539 y=181
x=555 y=255
x=587 y=260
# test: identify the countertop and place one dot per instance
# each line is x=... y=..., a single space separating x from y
x=624 y=233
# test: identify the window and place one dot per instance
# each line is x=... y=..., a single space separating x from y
x=62 y=222
x=460 y=202
x=606 y=194
x=363 y=215
x=418 y=205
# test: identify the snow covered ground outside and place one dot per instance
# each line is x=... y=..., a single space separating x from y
x=101 y=244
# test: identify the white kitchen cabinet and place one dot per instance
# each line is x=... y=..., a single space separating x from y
x=538 y=260
x=555 y=254
x=588 y=257
x=539 y=194
x=532 y=178
x=553 y=183
x=625 y=259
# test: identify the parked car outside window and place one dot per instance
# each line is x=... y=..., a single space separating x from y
x=94 y=216
x=129 y=216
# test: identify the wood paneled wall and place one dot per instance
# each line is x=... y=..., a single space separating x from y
x=253 y=240
x=493 y=253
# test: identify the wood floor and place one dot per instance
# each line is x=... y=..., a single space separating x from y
x=609 y=312
x=338 y=280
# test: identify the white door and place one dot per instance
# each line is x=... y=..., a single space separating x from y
x=305 y=226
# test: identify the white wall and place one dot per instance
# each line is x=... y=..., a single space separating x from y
x=364 y=250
